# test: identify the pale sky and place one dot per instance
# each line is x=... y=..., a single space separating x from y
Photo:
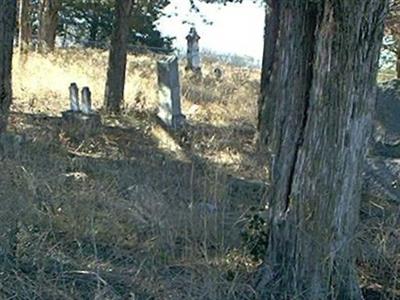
x=236 y=29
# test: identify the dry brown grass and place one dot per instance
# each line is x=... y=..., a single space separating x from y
x=386 y=74
x=134 y=211
x=222 y=109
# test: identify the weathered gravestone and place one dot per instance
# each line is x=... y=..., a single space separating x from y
x=169 y=93
x=74 y=97
x=80 y=119
x=193 y=51
x=86 y=101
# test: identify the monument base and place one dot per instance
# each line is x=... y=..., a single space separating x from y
x=172 y=121
x=78 y=123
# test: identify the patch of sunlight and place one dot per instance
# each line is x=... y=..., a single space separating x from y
x=386 y=75
x=167 y=144
x=211 y=113
x=226 y=158
x=41 y=84
x=96 y=155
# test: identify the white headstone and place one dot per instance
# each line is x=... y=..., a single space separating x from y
x=86 y=101
x=169 y=92
x=74 y=97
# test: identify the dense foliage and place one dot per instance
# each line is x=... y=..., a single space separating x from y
x=89 y=22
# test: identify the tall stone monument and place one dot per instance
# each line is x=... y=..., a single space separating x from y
x=169 y=92
x=193 y=51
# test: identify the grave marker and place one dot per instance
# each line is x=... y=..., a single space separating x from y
x=80 y=120
x=74 y=97
x=193 y=51
x=169 y=92
x=86 y=101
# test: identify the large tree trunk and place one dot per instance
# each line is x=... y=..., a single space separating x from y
x=25 y=28
x=115 y=84
x=315 y=121
x=48 y=24
x=7 y=28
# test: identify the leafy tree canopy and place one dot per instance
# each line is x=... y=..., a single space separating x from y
x=89 y=22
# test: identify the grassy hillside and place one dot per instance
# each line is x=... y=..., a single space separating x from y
x=134 y=211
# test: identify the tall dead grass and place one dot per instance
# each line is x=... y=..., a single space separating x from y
x=135 y=211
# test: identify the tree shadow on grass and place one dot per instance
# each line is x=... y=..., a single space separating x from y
x=110 y=214
x=101 y=215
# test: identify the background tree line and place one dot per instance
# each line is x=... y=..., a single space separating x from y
x=93 y=23
x=87 y=23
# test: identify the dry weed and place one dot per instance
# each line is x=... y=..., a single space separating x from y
x=135 y=211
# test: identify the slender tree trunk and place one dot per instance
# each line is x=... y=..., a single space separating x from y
x=397 y=58
x=25 y=28
x=271 y=31
x=114 y=91
x=48 y=24
x=94 y=22
x=93 y=31
x=315 y=121
x=7 y=29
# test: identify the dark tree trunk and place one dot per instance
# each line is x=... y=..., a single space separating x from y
x=115 y=84
x=94 y=23
x=270 y=37
x=93 y=31
x=25 y=28
x=315 y=120
x=7 y=29
x=397 y=58
x=48 y=24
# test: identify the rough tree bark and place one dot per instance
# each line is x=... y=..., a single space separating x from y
x=48 y=17
x=25 y=28
x=115 y=84
x=7 y=28
x=318 y=91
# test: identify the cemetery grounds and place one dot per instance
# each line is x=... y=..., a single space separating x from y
x=134 y=210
